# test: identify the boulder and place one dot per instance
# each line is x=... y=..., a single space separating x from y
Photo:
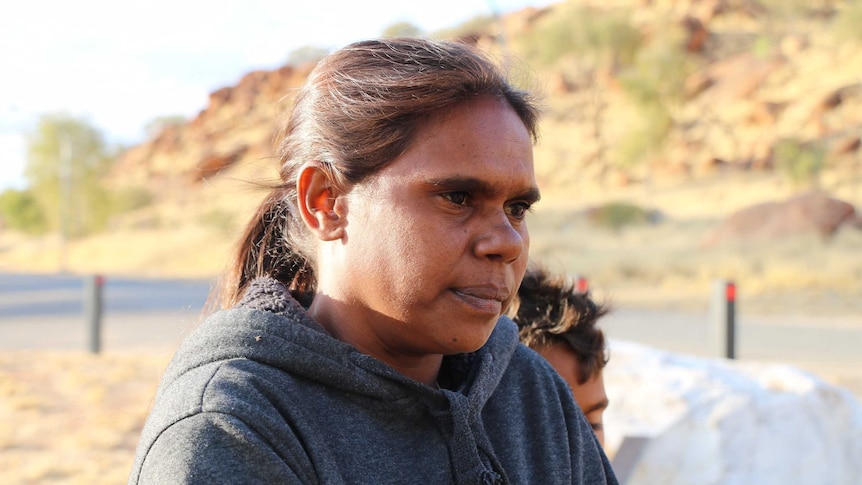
x=706 y=421
x=810 y=212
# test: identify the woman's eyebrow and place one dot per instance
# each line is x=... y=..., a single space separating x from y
x=479 y=186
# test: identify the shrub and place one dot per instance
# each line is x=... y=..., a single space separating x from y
x=20 y=211
x=617 y=215
x=594 y=35
x=644 y=138
x=800 y=162
x=659 y=71
x=655 y=85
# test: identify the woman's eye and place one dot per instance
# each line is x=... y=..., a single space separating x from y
x=457 y=198
x=597 y=426
x=518 y=210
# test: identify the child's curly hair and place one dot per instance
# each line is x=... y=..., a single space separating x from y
x=549 y=310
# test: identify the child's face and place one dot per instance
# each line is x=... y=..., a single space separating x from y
x=590 y=395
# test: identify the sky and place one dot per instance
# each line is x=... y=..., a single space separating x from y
x=121 y=64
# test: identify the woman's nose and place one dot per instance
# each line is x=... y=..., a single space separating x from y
x=500 y=239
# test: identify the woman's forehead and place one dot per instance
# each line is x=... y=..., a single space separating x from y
x=483 y=134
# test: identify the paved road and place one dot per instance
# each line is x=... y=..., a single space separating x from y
x=24 y=295
x=46 y=312
x=827 y=340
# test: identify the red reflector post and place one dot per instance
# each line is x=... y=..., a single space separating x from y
x=730 y=291
x=582 y=285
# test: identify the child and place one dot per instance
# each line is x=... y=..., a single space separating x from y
x=559 y=322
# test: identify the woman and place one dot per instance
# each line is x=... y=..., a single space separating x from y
x=361 y=343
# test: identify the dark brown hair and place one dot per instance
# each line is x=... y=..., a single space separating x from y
x=549 y=310
x=357 y=112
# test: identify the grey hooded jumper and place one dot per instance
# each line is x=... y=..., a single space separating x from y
x=262 y=394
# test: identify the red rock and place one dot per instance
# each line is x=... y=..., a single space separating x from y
x=811 y=212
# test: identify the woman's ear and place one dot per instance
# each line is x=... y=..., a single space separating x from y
x=318 y=196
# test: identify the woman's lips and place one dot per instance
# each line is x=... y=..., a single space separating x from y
x=485 y=299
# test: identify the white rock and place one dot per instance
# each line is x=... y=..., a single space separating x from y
x=717 y=421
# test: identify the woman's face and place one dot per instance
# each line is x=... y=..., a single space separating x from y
x=435 y=244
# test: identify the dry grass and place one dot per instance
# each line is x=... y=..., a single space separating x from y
x=73 y=417
x=181 y=252
x=664 y=265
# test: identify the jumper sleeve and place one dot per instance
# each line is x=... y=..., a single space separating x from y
x=217 y=448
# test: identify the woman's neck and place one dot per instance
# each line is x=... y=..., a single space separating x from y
x=329 y=313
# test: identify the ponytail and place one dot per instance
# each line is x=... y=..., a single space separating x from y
x=266 y=249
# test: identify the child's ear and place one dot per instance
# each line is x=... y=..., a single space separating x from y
x=318 y=200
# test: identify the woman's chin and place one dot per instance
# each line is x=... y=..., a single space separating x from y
x=467 y=342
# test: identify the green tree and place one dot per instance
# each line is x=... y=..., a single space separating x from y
x=66 y=157
x=402 y=29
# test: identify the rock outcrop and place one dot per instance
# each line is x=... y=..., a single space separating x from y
x=740 y=99
x=238 y=125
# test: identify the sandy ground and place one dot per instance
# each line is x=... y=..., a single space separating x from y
x=73 y=417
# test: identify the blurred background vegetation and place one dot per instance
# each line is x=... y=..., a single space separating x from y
x=67 y=193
